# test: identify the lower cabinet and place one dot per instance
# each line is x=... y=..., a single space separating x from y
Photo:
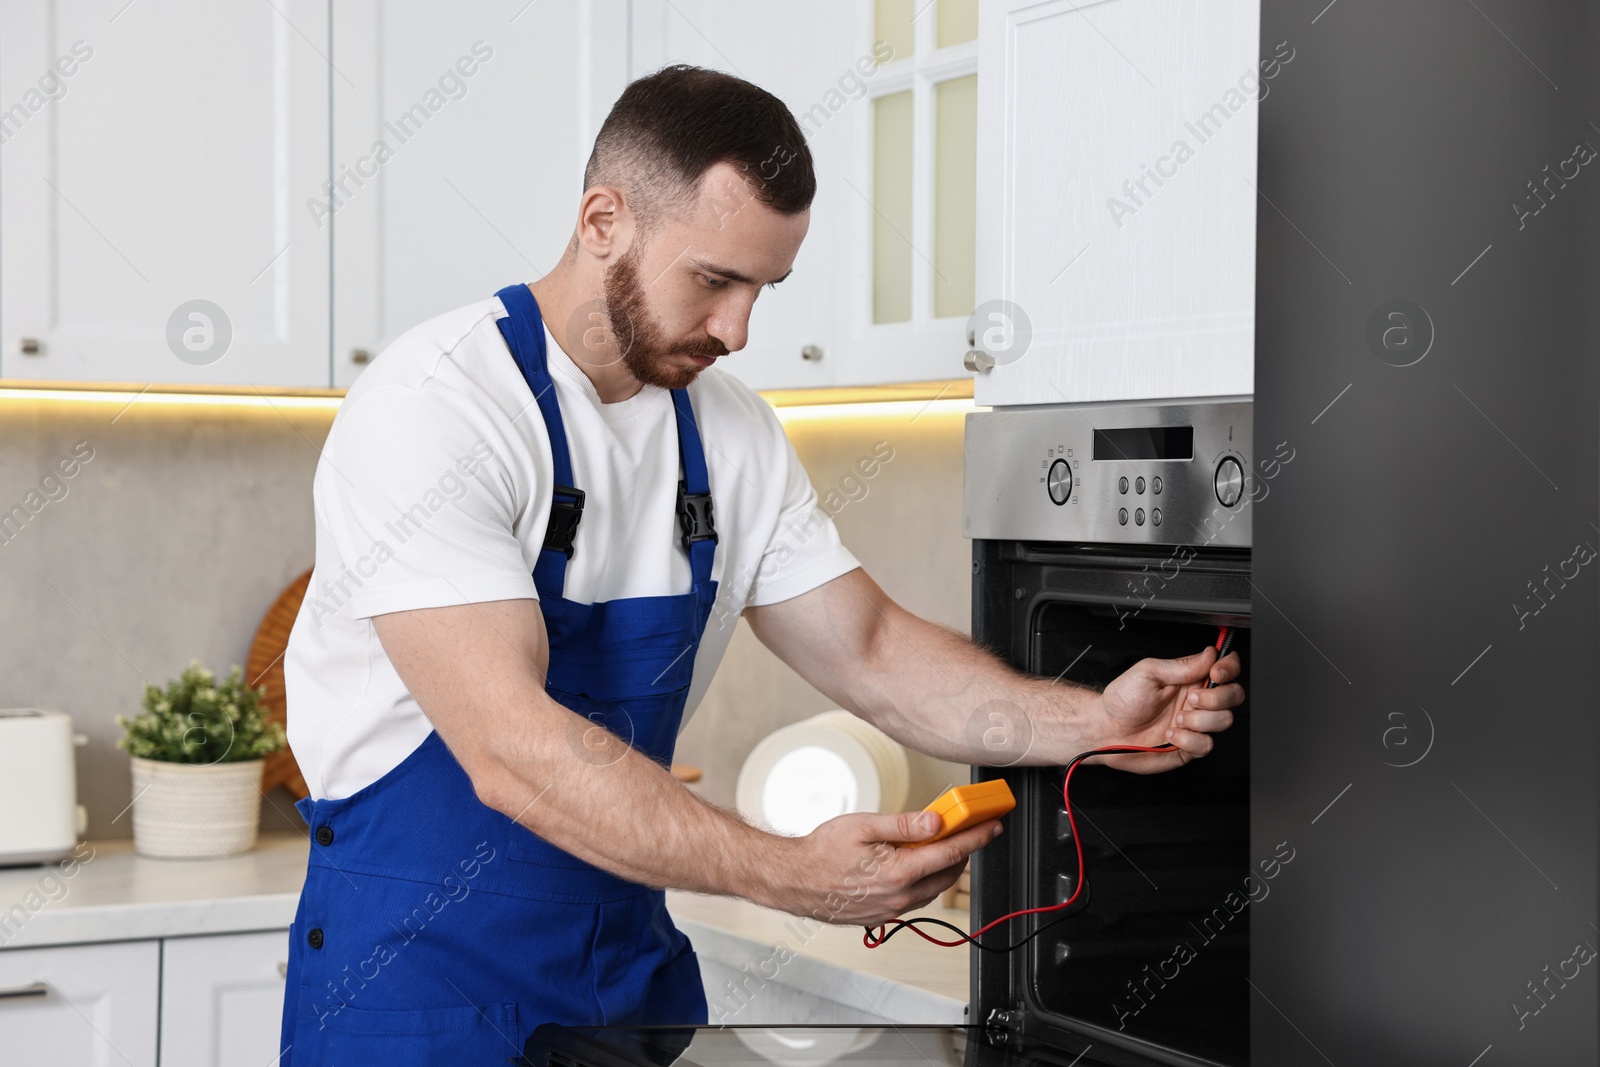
x=81 y=1004
x=222 y=999
x=213 y=1001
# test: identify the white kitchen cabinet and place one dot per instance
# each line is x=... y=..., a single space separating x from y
x=222 y=999
x=460 y=135
x=81 y=1005
x=811 y=57
x=1116 y=197
x=157 y=154
x=907 y=264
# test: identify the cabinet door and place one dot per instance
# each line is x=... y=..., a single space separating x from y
x=173 y=164
x=460 y=136
x=222 y=999
x=81 y=1005
x=1116 y=198
x=806 y=55
x=910 y=215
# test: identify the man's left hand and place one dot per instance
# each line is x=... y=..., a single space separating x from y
x=1164 y=701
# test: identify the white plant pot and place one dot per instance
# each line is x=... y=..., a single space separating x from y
x=184 y=811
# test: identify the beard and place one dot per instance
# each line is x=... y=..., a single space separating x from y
x=646 y=352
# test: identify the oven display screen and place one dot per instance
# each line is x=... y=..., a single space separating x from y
x=1145 y=442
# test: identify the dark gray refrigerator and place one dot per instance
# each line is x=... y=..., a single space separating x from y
x=1425 y=575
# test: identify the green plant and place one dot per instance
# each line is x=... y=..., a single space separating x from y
x=197 y=720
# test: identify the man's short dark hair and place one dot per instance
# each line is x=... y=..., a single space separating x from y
x=668 y=128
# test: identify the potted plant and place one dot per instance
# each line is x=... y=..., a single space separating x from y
x=197 y=754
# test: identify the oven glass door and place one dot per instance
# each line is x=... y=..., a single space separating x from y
x=1160 y=953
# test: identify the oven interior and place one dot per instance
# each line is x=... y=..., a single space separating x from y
x=1154 y=964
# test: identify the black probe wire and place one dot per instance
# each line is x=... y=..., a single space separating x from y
x=1224 y=643
x=872 y=940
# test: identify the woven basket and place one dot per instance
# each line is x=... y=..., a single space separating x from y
x=184 y=811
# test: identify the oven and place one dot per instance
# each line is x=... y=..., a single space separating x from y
x=1103 y=534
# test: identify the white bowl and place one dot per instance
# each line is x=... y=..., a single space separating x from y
x=831 y=764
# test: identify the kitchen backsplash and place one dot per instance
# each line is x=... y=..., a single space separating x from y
x=145 y=536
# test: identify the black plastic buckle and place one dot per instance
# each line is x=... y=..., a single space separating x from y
x=564 y=518
x=694 y=516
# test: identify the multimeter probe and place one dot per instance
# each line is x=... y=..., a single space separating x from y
x=969 y=805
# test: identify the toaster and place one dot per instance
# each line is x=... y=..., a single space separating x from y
x=39 y=814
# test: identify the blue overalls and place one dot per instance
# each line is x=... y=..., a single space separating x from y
x=433 y=929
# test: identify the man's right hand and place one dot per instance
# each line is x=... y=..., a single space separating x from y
x=848 y=871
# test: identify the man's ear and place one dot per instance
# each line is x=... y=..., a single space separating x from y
x=605 y=223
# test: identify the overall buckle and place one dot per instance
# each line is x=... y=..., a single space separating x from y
x=564 y=517
x=694 y=516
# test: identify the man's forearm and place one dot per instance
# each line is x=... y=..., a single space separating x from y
x=927 y=686
x=589 y=793
x=479 y=669
x=933 y=688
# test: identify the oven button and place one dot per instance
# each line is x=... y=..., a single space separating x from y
x=1155 y=484
x=1138 y=517
x=1229 y=482
x=1122 y=516
x=1155 y=517
x=1059 y=481
x=1122 y=485
x=1138 y=485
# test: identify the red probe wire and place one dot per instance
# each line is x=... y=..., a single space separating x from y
x=873 y=939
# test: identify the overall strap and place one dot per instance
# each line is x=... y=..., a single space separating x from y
x=694 y=492
x=523 y=330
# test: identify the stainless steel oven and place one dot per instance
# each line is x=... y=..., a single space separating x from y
x=1103 y=534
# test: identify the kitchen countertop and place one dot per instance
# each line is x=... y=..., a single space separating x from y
x=908 y=980
x=116 y=895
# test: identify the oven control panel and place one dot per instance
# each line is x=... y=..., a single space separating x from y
x=1159 y=472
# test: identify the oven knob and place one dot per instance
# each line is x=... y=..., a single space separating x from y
x=1059 y=481
x=1229 y=482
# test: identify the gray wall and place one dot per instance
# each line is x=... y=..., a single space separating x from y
x=173 y=539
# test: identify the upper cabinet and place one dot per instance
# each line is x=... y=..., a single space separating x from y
x=268 y=195
x=911 y=204
x=460 y=134
x=1117 y=198
x=157 y=159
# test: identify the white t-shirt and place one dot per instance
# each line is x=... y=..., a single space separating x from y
x=434 y=489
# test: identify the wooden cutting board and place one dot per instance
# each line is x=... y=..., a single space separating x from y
x=264 y=668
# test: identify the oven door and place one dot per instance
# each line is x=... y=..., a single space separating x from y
x=1152 y=967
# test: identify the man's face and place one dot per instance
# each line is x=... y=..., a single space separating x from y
x=680 y=302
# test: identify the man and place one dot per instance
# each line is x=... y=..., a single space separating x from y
x=527 y=511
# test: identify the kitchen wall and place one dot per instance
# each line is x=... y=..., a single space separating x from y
x=182 y=523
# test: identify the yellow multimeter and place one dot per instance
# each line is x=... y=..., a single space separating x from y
x=964 y=806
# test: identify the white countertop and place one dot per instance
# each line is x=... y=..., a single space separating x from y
x=908 y=980
x=117 y=895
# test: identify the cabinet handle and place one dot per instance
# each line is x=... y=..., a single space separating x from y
x=811 y=352
x=37 y=989
x=283 y=970
x=29 y=346
x=978 y=361
x=360 y=355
